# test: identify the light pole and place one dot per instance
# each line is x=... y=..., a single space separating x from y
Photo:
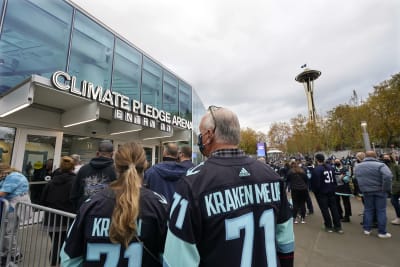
x=367 y=144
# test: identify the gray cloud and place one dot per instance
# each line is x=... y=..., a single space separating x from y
x=245 y=54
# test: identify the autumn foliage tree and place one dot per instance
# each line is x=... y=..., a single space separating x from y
x=249 y=139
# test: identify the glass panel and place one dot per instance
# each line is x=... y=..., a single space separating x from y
x=148 y=151
x=91 y=52
x=198 y=111
x=151 y=83
x=1 y=6
x=170 y=93
x=7 y=137
x=85 y=146
x=27 y=47
x=185 y=100
x=38 y=162
x=127 y=70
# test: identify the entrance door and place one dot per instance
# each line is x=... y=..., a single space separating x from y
x=37 y=154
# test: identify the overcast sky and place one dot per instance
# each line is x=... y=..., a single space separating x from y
x=244 y=55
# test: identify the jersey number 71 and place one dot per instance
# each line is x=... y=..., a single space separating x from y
x=246 y=222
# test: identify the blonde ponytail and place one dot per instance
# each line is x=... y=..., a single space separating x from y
x=130 y=162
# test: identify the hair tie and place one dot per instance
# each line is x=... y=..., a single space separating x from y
x=131 y=166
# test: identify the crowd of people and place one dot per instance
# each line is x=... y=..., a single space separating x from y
x=334 y=181
x=177 y=214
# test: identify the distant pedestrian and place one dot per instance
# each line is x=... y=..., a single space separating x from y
x=343 y=190
x=94 y=176
x=324 y=185
x=14 y=187
x=309 y=169
x=389 y=161
x=375 y=181
x=360 y=156
x=185 y=157
x=163 y=177
x=77 y=162
x=56 y=195
x=299 y=190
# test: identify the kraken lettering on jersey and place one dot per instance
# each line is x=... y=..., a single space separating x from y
x=238 y=197
x=100 y=227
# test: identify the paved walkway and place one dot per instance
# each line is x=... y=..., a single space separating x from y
x=317 y=248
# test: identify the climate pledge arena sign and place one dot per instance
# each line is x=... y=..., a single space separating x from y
x=125 y=109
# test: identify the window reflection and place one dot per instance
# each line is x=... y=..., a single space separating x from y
x=91 y=52
x=29 y=48
x=185 y=100
x=127 y=70
x=170 y=93
x=151 y=83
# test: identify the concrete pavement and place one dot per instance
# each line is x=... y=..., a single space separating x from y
x=317 y=248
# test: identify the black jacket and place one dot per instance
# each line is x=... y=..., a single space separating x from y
x=56 y=195
x=298 y=180
x=92 y=178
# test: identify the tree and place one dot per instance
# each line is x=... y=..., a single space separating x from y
x=248 y=141
x=383 y=106
x=278 y=135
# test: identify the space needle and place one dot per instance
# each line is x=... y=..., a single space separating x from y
x=307 y=78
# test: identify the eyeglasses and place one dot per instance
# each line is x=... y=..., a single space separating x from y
x=211 y=109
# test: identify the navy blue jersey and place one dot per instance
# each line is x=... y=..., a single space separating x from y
x=323 y=179
x=230 y=212
x=88 y=240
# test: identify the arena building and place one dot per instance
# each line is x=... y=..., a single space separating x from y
x=67 y=81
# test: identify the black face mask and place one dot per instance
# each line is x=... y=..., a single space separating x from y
x=200 y=143
x=387 y=161
x=337 y=164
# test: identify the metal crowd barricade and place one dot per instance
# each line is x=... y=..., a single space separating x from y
x=3 y=211
x=39 y=230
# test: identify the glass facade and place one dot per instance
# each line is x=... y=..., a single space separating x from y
x=170 y=93
x=185 y=100
x=127 y=70
x=151 y=83
x=44 y=36
x=91 y=52
x=26 y=47
x=198 y=112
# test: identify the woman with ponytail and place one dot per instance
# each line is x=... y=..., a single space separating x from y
x=123 y=225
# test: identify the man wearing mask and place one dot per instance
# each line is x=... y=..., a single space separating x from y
x=230 y=210
x=389 y=161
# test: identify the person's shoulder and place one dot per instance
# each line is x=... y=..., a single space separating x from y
x=152 y=203
x=13 y=176
x=102 y=200
x=151 y=196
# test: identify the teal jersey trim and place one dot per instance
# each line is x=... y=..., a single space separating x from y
x=66 y=261
x=285 y=236
x=179 y=253
x=343 y=194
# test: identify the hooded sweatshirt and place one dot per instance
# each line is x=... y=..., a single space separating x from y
x=56 y=195
x=162 y=178
x=92 y=178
